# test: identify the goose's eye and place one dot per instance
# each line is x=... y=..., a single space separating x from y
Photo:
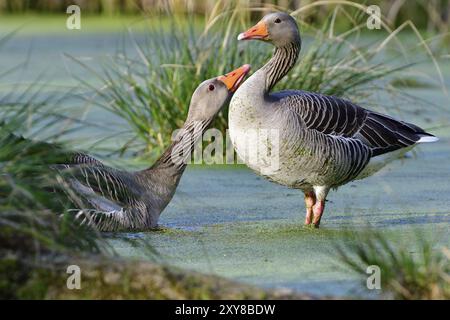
x=277 y=20
x=211 y=87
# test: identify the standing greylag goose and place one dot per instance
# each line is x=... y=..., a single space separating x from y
x=321 y=142
x=122 y=200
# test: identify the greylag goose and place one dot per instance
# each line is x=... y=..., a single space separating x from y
x=321 y=142
x=122 y=200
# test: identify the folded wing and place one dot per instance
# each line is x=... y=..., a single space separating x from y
x=339 y=117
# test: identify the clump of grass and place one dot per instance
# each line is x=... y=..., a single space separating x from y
x=37 y=244
x=150 y=85
x=423 y=273
x=38 y=238
x=32 y=231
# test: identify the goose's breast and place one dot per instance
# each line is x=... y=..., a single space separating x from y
x=265 y=146
x=245 y=123
x=299 y=158
x=263 y=142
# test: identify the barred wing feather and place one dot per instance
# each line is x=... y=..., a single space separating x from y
x=335 y=116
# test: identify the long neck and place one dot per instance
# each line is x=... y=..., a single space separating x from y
x=174 y=159
x=282 y=61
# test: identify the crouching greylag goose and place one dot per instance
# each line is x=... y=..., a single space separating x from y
x=321 y=142
x=116 y=200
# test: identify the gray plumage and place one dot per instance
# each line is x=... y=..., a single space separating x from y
x=324 y=141
x=113 y=200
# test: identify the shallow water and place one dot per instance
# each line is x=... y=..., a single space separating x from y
x=233 y=223
x=228 y=221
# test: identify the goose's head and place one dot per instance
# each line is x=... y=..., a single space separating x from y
x=212 y=94
x=279 y=28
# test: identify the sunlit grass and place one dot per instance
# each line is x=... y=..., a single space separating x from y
x=29 y=204
x=416 y=270
x=149 y=83
x=35 y=229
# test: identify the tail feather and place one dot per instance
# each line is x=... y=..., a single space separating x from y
x=385 y=134
x=427 y=138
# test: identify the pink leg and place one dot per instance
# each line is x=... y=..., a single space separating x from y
x=310 y=200
x=318 y=211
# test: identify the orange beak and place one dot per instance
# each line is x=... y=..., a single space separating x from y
x=234 y=79
x=259 y=31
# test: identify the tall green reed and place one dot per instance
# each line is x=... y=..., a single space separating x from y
x=413 y=270
x=150 y=81
x=32 y=195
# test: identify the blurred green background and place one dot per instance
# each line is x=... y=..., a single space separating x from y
x=432 y=15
